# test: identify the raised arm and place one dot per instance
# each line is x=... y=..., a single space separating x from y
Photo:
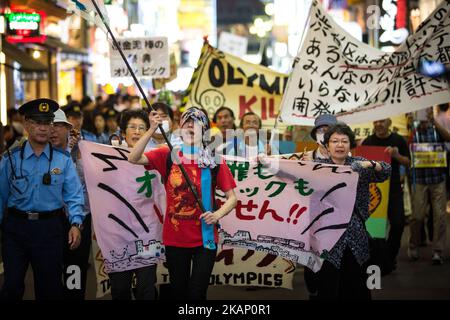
x=137 y=153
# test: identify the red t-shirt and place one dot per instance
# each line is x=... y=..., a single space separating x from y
x=182 y=226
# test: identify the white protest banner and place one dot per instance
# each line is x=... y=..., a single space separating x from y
x=233 y=267
x=149 y=57
x=86 y=9
x=233 y=44
x=127 y=204
x=297 y=214
x=101 y=276
x=333 y=73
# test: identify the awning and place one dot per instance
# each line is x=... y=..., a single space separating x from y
x=30 y=69
x=67 y=52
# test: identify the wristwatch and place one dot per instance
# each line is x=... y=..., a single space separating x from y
x=77 y=225
x=374 y=164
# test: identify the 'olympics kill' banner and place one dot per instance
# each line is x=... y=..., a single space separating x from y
x=222 y=79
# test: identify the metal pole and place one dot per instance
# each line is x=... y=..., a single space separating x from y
x=150 y=107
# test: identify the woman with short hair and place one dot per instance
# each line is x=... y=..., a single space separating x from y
x=343 y=274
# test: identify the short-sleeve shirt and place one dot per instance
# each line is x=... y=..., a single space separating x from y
x=394 y=140
x=182 y=224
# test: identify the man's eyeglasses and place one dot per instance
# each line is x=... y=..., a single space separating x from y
x=135 y=127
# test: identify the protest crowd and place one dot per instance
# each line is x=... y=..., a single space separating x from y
x=131 y=185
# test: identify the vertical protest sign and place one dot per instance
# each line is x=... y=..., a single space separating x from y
x=149 y=57
x=222 y=79
x=233 y=44
x=335 y=73
x=379 y=193
x=159 y=83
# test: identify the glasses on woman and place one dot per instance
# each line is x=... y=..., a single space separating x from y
x=137 y=127
x=335 y=141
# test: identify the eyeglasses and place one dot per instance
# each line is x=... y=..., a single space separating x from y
x=135 y=127
x=339 y=141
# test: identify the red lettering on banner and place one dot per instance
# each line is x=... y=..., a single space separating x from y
x=266 y=113
x=272 y=114
x=401 y=18
x=244 y=106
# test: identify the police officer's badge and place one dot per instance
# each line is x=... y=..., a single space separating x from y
x=56 y=171
x=76 y=109
x=44 y=107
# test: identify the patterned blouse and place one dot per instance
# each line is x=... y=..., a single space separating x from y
x=355 y=237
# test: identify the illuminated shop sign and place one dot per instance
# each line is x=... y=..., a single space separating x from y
x=393 y=22
x=24 y=26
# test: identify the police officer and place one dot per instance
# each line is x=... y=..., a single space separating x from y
x=75 y=117
x=36 y=180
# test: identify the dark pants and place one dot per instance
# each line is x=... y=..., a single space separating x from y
x=121 y=283
x=396 y=216
x=346 y=283
x=187 y=284
x=35 y=242
x=78 y=257
x=311 y=282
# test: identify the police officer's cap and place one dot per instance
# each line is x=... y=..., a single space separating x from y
x=39 y=109
x=110 y=113
x=73 y=109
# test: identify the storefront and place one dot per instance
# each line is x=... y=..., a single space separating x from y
x=24 y=75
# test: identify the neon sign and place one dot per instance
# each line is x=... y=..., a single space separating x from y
x=393 y=22
x=24 y=26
